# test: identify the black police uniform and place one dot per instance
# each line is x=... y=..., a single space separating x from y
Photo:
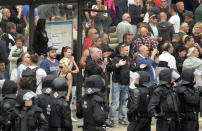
x=164 y=104
x=44 y=99
x=31 y=119
x=137 y=105
x=91 y=106
x=7 y=103
x=189 y=101
x=60 y=115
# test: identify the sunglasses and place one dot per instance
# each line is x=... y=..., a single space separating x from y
x=60 y=67
x=163 y=1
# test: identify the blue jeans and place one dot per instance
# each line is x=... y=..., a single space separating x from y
x=134 y=27
x=169 y=2
x=119 y=95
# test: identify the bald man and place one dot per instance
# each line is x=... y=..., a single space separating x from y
x=87 y=43
x=124 y=27
x=143 y=58
x=5 y=16
x=184 y=29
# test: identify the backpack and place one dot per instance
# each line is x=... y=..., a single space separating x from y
x=28 y=80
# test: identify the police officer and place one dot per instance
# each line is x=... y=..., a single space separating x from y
x=189 y=101
x=60 y=116
x=137 y=104
x=44 y=100
x=91 y=106
x=7 y=103
x=164 y=103
x=28 y=116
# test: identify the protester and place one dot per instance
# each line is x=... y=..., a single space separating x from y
x=143 y=58
x=196 y=32
x=189 y=19
x=5 y=18
x=184 y=30
x=16 y=51
x=181 y=10
x=174 y=19
x=50 y=63
x=40 y=38
x=180 y=56
x=124 y=27
x=198 y=13
x=2 y=69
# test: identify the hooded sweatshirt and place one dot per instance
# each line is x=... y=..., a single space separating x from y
x=195 y=63
x=165 y=30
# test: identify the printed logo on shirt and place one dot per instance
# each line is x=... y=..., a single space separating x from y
x=54 y=68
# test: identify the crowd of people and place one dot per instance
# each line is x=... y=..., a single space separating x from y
x=156 y=67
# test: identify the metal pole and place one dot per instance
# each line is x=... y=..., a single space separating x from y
x=79 y=47
x=31 y=28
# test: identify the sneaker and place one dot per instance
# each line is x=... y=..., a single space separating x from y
x=74 y=120
x=123 y=122
x=111 y=122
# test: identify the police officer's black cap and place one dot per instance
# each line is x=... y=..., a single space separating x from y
x=60 y=84
x=144 y=78
x=9 y=87
x=94 y=83
x=187 y=76
x=165 y=76
x=51 y=48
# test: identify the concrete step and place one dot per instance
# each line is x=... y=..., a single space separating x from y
x=113 y=40
x=113 y=35
x=113 y=46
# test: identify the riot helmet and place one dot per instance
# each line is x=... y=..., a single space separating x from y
x=166 y=76
x=60 y=84
x=189 y=74
x=24 y=95
x=47 y=84
x=9 y=87
x=94 y=83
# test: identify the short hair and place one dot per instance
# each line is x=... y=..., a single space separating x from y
x=20 y=37
x=34 y=58
x=151 y=3
x=176 y=36
x=166 y=46
x=198 y=23
x=183 y=24
x=125 y=35
x=94 y=39
x=2 y=61
x=173 y=7
x=178 y=3
x=191 y=51
x=180 y=48
x=142 y=24
x=9 y=26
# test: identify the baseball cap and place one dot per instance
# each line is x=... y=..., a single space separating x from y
x=51 y=48
x=189 y=14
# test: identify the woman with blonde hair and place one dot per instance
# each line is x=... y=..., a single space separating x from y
x=65 y=71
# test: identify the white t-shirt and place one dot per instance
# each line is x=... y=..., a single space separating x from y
x=175 y=20
x=165 y=56
x=40 y=75
x=13 y=76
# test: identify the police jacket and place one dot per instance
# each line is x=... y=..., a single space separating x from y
x=189 y=98
x=60 y=115
x=29 y=120
x=91 y=108
x=164 y=102
x=121 y=73
x=137 y=102
x=7 y=105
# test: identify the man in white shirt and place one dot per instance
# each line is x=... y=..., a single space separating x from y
x=167 y=56
x=174 y=19
x=40 y=73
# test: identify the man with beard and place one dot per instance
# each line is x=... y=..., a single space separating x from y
x=50 y=64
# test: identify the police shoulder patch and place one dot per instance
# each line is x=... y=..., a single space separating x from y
x=89 y=90
x=55 y=94
x=48 y=90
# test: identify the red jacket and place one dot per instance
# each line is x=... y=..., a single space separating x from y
x=87 y=43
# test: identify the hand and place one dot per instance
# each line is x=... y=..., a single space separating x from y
x=67 y=98
x=106 y=54
x=141 y=15
x=142 y=66
x=122 y=63
x=196 y=45
x=105 y=61
x=156 y=38
x=154 y=52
